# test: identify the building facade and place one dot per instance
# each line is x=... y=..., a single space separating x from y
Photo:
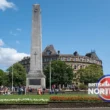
x=75 y=60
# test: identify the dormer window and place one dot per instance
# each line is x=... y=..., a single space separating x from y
x=48 y=52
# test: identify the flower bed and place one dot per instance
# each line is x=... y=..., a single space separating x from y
x=52 y=99
x=76 y=102
x=54 y=102
x=75 y=99
x=24 y=101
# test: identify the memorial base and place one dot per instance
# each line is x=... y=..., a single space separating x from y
x=35 y=81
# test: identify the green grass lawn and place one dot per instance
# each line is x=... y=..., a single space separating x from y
x=46 y=96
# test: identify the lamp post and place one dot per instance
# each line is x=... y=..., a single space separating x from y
x=12 y=78
x=50 y=76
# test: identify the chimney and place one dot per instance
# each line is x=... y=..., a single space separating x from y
x=58 y=52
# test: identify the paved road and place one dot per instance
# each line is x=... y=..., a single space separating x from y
x=99 y=108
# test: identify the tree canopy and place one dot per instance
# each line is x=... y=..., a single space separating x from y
x=2 y=75
x=61 y=73
x=1 y=72
x=19 y=75
x=90 y=74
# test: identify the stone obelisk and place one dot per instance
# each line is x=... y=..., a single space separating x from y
x=35 y=77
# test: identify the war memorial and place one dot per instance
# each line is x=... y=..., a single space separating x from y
x=35 y=77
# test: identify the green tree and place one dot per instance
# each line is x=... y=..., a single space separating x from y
x=1 y=76
x=90 y=74
x=61 y=73
x=5 y=80
x=19 y=75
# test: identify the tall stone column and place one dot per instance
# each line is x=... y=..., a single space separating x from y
x=35 y=77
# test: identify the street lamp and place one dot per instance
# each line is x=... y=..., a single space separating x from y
x=12 y=78
x=50 y=76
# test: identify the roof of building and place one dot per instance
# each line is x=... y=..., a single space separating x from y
x=49 y=49
x=92 y=55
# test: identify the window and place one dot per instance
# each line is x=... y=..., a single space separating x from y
x=84 y=60
x=25 y=62
x=45 y=60
x=74 y=59
x=61 y=58
x=68 y=59
x=50 y=59
x=81 y=67
x=87 y=60
x=48 y=52
x=75 y=67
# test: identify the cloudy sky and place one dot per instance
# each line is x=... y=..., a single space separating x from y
x=69 y=25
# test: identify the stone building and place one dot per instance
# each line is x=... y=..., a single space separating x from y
x=75 y=60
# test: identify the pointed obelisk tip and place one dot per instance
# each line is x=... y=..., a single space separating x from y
x=36 y=4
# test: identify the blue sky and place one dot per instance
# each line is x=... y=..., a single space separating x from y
x=69 y=25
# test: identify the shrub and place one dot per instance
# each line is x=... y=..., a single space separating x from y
x=82 y=86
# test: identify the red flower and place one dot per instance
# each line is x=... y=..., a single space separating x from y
x=74 y=98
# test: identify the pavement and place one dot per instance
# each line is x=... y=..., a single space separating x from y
x=97 y=108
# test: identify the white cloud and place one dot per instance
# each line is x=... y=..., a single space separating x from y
x=18 y=29
x=8 y=56
x=17 y=42
x=12 y=33
x=1 y=42
x=4 y=4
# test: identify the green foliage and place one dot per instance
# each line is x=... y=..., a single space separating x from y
x=3 y=78
x=19 y=75
x=61 y=73
x=1 y=72
x=2 y=75
x=82 y=86
x=90 y=74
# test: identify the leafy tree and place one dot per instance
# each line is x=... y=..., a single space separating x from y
x=1 y=76
x=5 y=79
x=61 y=73
x=19 y=75
x=90 y=74
x=1 y=72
